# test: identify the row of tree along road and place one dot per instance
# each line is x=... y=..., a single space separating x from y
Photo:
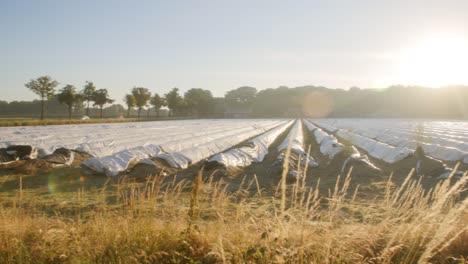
x=306 y=101
x=195 y=102
x=45 y=87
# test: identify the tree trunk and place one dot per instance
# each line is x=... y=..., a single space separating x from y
x=69 y=111
x=87 y=110
x=101 y=110
x=157 y=112
x=42 y=108
x=139 y=111
x=147 y=113
x=128 y=112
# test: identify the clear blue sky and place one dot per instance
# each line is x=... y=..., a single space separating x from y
x=216 y=45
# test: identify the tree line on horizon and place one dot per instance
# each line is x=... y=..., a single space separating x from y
x=306 y=101
x=195 y=101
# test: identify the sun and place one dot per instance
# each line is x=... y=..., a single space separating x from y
x=435 y=62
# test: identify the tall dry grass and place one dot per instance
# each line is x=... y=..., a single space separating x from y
x=169 y=221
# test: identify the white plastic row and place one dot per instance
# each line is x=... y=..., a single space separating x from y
x=182 y=149
x=450 y=146
x=199 y=151
x=295 y=139
x=329 y=145
x=453 y=134
x=376 y=149
x=101 y=140
x=402 y=137
x=325 y=125
x=255 y=150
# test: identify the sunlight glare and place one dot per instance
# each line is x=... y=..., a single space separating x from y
x=435 y=62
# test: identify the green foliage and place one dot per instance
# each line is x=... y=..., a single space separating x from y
x=273 y=102
x=183 y=108
x=157 y=101
x=43 y=86
x=68 y=96
x=130 y=101
x=306 y=101
x=174 y=101
x=100 y=98
x=199 y=101
x=87 y=94
x=142 y=96
x=243 y=96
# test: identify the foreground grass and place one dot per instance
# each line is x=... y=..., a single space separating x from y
x=201 y=222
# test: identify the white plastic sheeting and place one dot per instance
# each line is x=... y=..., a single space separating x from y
x=356 y=156
x=378 y=150
x=298 y=157
x=115 y=146
x=329 y=145
x=309 y=125
x=180 y=144
x=443 y=153
x=446 y=133
x=101 y=140
x=199 y=150
x=295 y=140
x=196 y=143
x=320 y=136
x=326 y=126
x=255 y=151
x=449 y=152
x=445 y=140
x=113 y=164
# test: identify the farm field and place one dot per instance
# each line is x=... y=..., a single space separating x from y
x=183 y=184
x=111 y=148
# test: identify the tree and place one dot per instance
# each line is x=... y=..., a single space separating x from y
x=242 y=96
x=43 y=86
x=78 y=106
x=142 y=96
x=199 y=101
x=130 y=101
x=273 y=102
x=183 y=108
x=68 y=96
x=158 y=102
x=87 y=94
x=174 y=101
x=100 y=98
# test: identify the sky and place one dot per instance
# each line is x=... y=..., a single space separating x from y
x=221 y=45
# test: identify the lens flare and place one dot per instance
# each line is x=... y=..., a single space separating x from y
x=317 y=105
x=53 y=183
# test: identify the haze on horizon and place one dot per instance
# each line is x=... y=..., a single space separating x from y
x=221 y=45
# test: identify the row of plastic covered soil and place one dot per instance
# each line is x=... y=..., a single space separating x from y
x=113 y=149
